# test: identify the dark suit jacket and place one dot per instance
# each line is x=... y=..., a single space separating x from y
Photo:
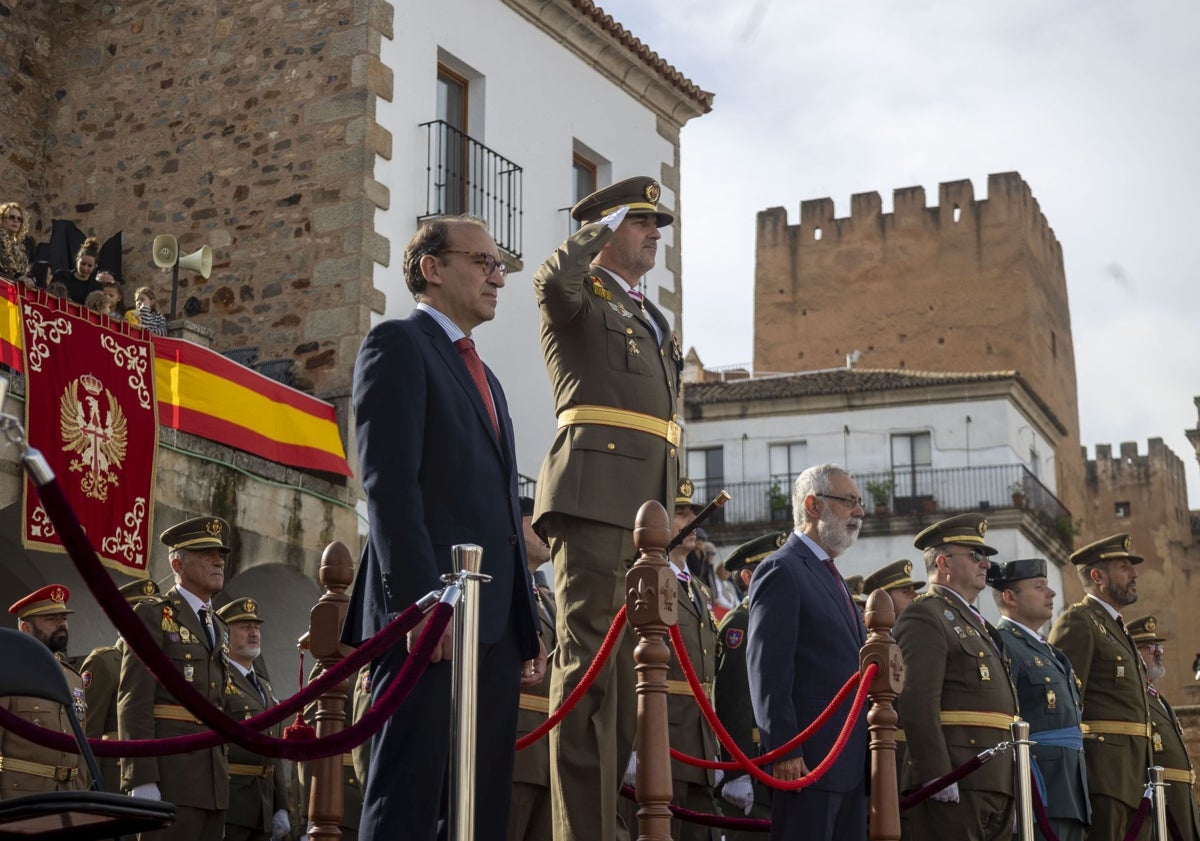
x=434 y=475
x=802 y=645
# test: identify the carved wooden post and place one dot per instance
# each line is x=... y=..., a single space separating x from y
x=883 y=651
x=651 y=606
x=326 y=797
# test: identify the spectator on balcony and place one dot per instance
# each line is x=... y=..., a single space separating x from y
x=99 y=301
x=110 y=287
x=16 y=246
x=81 y=281
x=145 y=314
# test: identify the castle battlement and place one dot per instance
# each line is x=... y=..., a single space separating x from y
x=1127 y=467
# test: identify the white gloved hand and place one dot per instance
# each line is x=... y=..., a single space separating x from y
x=718 y=775
x=280 y=825
x=947 y=795
x=740 y=793
x=631 y=771
x=614 y=219
x=146 y=791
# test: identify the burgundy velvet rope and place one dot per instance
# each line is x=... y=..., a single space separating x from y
x=610 y=639
x=1039 y=812
x=743 y=761
x=929 y=789
x=1139 y=818
x=719 y=821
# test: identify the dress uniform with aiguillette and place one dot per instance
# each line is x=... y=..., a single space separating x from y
x=257 y=788
x=196 y=783
x=25 y=767
x=957 y=702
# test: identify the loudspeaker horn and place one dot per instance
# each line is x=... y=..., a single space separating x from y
x=166 y=251
x=198 y=261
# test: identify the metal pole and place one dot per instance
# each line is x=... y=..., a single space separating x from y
x=1159 y=784
x=466 y=558
x=1020 y=734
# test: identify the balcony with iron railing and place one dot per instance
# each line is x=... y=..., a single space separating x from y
x=464 y=176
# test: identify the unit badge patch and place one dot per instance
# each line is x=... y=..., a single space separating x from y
x=733 y=637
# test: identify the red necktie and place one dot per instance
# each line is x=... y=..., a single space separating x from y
x=837 y=577
x=466 y=347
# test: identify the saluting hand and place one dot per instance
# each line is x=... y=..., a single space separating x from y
x=532 y=671
x=444 y=650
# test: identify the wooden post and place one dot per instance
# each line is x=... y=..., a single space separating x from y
x=651 y=607
x=326 y=802
x=883 y=651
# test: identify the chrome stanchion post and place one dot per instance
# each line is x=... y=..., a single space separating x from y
x=1158 y=784
x=1020 y=734
x=466 y=558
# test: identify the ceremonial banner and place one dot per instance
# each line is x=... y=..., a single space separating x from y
x=90 y=409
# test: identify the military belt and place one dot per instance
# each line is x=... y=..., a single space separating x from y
x=681 y=687
x=668 y=430
x=251 y=770
x=535 y=703
x=347 y=760
x=38 y=769
x=1115 y=728
x=1179 y=775
x=900 y=737
x=976 y=718
x=174 y=712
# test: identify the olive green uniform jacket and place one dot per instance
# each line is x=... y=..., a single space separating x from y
x=254 y=798
x=731 y=693
x=57 y=771
x=1170 y=751
x=689 y=732
x=101 y=674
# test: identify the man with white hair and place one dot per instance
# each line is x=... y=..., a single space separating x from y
x=803 y=643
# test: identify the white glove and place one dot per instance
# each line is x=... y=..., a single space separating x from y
x=613 y=220
x=740 y=793
x=146 y=791
x=947 y=795
x=631 y=771
x=718 y=775
x=280 y=825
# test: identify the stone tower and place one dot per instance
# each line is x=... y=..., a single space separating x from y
x=970 y=285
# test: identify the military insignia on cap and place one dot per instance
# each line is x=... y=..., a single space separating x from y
x=686 y=488
x=1151 y=624
x=982 y=527
x=781 y=539
x=57 y=595
x=213 y=528
x=1127 y=543
x=652 y=192
x=148 y=587
x=250 y=607
x=908 y=567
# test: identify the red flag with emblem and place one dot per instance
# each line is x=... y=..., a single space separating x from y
x=90 y=409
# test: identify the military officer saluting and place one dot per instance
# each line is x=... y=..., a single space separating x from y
x=731 y=691
x=896 y=580
x=182 y=623
x=25 y=767
x=258 y=803
x=1116 y=726
x=101 y=673
x=957 y=699
x=1047 y=693
x=1166 y=736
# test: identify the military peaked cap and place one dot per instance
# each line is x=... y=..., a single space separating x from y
x=683 y=496
x=753 y=551
x=139 y=591
x=855 y=585
x=1010 y=572
x=1108 y=549
x=640 y=193
x=1145 y=630
x=50 y=600
x=197 y=534
x=240 y=610
x=891 y=577
x=964 y=530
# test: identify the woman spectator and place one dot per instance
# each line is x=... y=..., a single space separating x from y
x=146 y=313
x=16 y=246
x=81 y=280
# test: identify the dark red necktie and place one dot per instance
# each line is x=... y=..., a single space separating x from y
x=466 y=347
x=837 y=578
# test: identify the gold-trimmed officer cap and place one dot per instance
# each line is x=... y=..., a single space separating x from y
x=753 y=551
x=50 y=600
x=1145 y=629
x=1109 y=549
x=962 y=530
x=197 y=534
x=684 y=493
x=855 y=585
x=891 y=577
x=139 y=591
x=1001 y=575
x=240 y=610
x=641 y=193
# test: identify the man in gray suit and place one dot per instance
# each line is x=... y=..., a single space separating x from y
x=1047 y=694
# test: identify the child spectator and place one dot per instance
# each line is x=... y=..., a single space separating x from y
x=98 y=301
x=146 y=314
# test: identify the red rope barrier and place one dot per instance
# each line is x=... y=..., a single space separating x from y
x=929 y=789
x=589 y=677
x=744 y=762
x=704 y=818
x=1039 y=812
x=1139 y=818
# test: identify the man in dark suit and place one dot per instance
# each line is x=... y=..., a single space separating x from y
x=958 y=699
x=438 y=468
x=1116 y=732
x=803 y=642
x=1047 y=694
x=614 y=369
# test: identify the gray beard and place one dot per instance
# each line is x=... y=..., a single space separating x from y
x=834 y=538
x=1155 y=673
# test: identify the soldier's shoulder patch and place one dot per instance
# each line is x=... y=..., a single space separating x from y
x=87 y=678
x=733 y=637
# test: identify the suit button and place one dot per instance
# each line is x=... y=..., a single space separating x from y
x=970 y=741
x=512 y=540
x=1047 y=680
x=212 y=685
x=611 y=445
x=1099 y=738
x=629 y=330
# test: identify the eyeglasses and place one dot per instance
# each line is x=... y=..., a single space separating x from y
x=852 y=501
x=976 y=557
x=489 y=263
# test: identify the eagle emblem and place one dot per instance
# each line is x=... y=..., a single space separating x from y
x=97 y=438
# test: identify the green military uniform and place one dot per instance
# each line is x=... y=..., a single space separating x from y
x=1169 y=748
x=616 y=387
x=731 y=688
x=101 y=673
x=257 y=788
x=26 y=767
x=1116 y=713
x=957 y=702
x=529 y=815
x=196 y=783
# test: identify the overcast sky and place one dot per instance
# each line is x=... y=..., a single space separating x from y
x=1096 y=104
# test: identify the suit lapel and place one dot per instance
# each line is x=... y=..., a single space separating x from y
x=1034 y=645
x=832 y=589
x=185 y=617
